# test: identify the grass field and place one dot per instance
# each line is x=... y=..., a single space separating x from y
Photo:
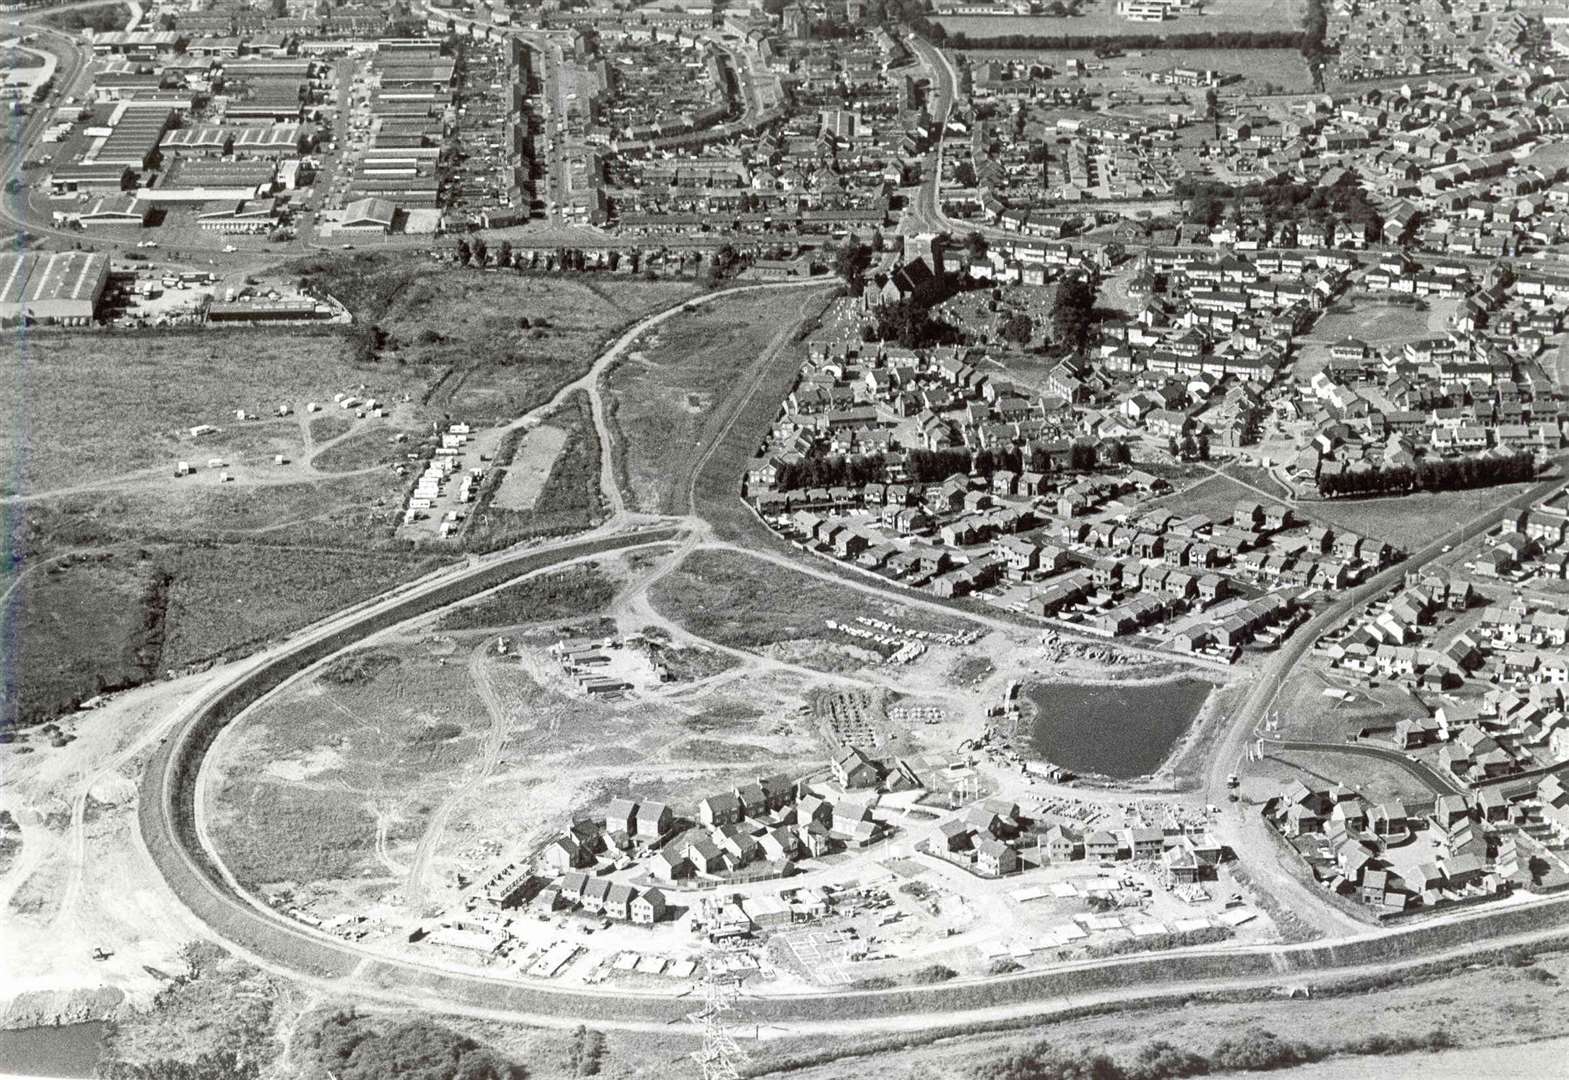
x=736 y=600
x=1100 y=17
x=1258 y=477
x=362 y=450
x=1307 y=714
x=568 y=502
x=329 y=426
x=665 y=395
x=119 y=617
x=1374 y=779
x=1372 y=322
x=1216 y=496
x=1411 y=521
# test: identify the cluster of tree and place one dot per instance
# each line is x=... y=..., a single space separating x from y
x=1073 y=313
x=352 y=1047
x=1209 y=201
x=218 y=1065
x=370 y=341
x=100 y=20
x=1084 y=457
x=828 y=30
x=911 y=324
x=724 y=263
x=830 y=470
x=935 y=466
x=1217 y=39
x=1017 y=329
x=478 y=254
x=1315 y=28
x=1253 y=1050
x=851 y=261
x=1191 y=447
x=1431 y=474
x=911 y=13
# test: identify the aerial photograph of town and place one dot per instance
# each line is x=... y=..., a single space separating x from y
x=807 y=539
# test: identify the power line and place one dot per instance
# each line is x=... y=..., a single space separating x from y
x=721 y=1057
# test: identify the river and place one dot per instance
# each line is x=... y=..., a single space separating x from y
x=66 y=1050
x=1120 y=730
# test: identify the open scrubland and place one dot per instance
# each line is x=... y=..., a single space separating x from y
x=733 y=599
x=287 y=517
x=101 y=406
x=683 y=380
x=322 y=780
x=1512 y=1000
x=492 y=344
x=572 y=593
x=564 y=495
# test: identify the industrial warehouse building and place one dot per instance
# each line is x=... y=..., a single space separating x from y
x=195 y=180
x=52 y=287
x=368 y=216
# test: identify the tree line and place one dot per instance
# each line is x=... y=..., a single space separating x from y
x=1206 y=39
x=1441 y=474
x=935 y=466
x=1252 y=1050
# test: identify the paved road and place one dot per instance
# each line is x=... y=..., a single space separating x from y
x=1428 y=777
x=925 y=214
x=1240 y=830
x=169 y=828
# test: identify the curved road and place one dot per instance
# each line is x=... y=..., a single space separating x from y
x=1429 y=778
x=169 y=828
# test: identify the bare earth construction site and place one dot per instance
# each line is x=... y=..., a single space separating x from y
x=520 y=612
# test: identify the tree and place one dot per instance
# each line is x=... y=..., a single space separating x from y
x=851 y=261
x=217 y=1065
x=504 y=256
x=353 y=1047
x=976 y=243
x=479 y=251
x=1073 y=313
x=1017 y=329
x=465 y=254
x=721 y=263
x=912 y=325
x=199 y=957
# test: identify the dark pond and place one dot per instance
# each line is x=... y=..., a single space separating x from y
x=65 y=1050
x=1119 y=731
